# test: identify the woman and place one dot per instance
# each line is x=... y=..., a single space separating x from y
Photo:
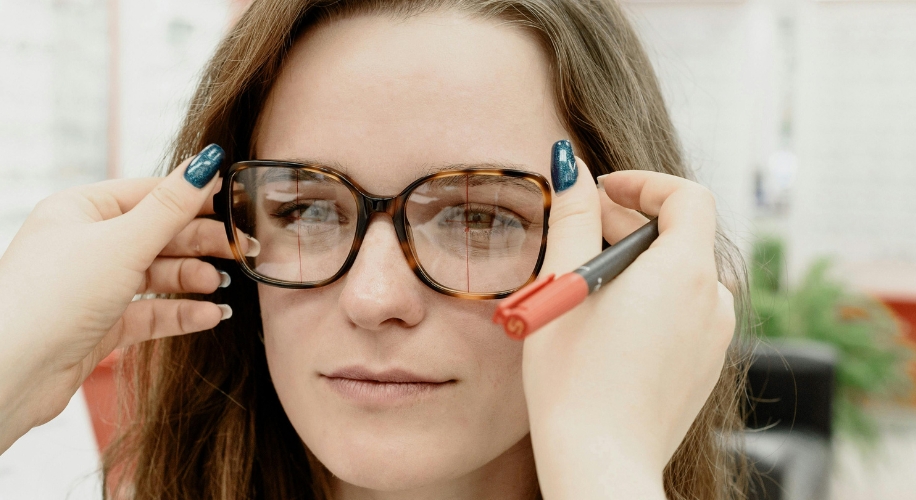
x=344 y=372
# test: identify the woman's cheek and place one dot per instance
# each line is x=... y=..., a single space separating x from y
x=466 y=427
x=292 y=325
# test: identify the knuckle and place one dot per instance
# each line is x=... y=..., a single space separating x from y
x=585 y=205
x=183 y=313
x=199 y=237
x=170 y=201
x=152 y=323
x=576 y=220
x=46 y=204
x=185 y=275
x=703 y=195
x=702 y=282
x=50 y=207
x=571 y=215
x=146 y=280
x=120 y=328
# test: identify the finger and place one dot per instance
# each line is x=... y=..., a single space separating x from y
x=574 y=236
x=618 y=222
x=158 y=318
x=683 y=207
x=170 y=206
x=205 y=237
x=118 y=196
x=169 y=275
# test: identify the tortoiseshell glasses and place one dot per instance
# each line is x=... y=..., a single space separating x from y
x=476 y=233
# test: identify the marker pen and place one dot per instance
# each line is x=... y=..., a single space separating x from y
x=546 y=299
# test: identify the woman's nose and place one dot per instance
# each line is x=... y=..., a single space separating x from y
x=380 y=290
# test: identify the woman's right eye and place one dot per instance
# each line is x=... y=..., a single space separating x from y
x=310 y=212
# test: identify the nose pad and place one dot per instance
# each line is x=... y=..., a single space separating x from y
x=381 y=288
x=381 y=205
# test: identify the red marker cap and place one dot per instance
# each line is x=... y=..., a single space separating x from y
x=539 y=303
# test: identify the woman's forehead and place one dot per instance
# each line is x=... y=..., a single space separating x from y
x=389 y=98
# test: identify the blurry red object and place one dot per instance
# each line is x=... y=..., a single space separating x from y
x=100 y=390
x=905 y=309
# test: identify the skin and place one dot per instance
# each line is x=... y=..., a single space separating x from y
x=607 y=392
x=386 y=100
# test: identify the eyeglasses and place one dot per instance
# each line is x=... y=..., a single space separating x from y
x=476 y=233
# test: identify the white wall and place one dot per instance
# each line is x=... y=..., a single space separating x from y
x=827 y=86
x=856 y=132
x=53 y=98
x=54 y=90
x=715 y=64
x=164 y=46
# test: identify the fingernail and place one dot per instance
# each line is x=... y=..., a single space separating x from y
x=204 y=166
x=227 y=311
x=600 y=177
x=254 y=247
x=224 y=279
x=563 y=169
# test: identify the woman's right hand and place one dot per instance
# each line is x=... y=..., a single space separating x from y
x=614 y=385
x=68 y=279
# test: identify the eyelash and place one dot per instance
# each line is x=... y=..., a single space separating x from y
x=285 y=210
x=513 y=220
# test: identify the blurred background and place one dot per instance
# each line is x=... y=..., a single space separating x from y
x=799 y=114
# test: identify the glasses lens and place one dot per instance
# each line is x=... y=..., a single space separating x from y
x=477 y=233
x=305 y=221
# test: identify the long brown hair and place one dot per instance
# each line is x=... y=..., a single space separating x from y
x=204 y=419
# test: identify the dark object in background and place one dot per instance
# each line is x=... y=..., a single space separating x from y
x=790 y=389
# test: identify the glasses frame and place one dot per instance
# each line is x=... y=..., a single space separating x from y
x=369 y=204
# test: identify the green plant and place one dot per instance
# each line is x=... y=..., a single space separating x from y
x=872 y=357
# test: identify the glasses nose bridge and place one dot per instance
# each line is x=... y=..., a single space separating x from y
x=376 y=204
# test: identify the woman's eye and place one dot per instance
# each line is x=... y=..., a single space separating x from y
x=310 y=212
x=482 y=217
x=476 y=220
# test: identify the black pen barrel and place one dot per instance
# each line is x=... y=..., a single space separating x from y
x=611 y=262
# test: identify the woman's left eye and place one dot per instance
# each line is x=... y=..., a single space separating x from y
x=477 y=219
x=482 y=217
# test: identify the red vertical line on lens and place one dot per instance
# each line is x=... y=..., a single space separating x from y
x=467 y=227
x=298 y=234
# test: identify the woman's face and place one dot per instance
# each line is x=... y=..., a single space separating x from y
x=387 y=99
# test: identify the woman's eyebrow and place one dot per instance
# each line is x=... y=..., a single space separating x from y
x=333 y=165
x=287 y=175
x=339 y=167
x=492 y=165
x=458 y=180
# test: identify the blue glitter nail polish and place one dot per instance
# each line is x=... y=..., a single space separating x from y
x=204 y=166
x=563 y=169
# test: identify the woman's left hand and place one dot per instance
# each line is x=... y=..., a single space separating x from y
x=613 y=386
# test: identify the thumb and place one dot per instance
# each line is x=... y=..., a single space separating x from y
x=574 y=234
x=172 y=204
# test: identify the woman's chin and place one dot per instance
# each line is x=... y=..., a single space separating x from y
x=382 y=467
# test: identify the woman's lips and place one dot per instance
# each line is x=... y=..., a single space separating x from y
x=389 y=387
